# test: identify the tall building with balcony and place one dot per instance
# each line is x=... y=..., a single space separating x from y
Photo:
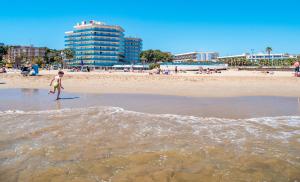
x=133 y=49
x=95 y=43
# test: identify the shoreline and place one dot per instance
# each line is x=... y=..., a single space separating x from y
x=231 y=108
x=226 y=84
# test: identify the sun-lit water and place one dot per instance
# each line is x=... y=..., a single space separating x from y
x=112 y=144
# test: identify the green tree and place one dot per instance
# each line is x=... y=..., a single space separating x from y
x=58 y=60
x=3 y=52
x=154 y=56
x=47 y=56
x=298 y=58
x=39 y=60
x=20 y=60
x=237 y=61
x=69 y=53
x=54 y=56
x=269 y=50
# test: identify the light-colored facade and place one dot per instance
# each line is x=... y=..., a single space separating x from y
x=196 y=56
x=28 y=53
x=260 y=56
x=133 y=49
x=96 y=43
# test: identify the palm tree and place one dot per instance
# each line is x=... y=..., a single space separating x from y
x=3 y=52
x=69 y=53
x=20 y=60
x=269 y=50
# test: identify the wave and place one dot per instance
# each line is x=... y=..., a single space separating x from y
x=280 y=127
x=293 y=120
x=107 y=125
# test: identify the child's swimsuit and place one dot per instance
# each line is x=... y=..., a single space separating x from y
x=56 y=82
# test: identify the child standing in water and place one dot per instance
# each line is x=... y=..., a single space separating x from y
x=57 y=84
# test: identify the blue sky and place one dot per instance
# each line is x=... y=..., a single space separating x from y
x=229 y=27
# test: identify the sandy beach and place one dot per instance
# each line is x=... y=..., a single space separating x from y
x=226 y=84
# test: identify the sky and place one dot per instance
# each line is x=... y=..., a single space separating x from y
x=177 y=26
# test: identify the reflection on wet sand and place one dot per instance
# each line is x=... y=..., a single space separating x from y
x=29 y=92
x=111 y=144
x=58 y=105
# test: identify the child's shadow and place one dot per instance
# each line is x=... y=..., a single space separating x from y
x=68 y=98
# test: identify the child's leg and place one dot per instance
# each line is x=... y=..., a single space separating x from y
x=58 y=93
x=52 y=92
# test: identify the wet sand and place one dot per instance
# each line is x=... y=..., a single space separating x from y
x=232 y=107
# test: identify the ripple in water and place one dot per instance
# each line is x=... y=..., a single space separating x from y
x=111 y=144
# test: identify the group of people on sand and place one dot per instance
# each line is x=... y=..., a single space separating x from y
x=167 y=71
x=207 y=71
x=159 y=71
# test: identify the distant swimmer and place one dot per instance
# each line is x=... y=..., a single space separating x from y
x=57 y=84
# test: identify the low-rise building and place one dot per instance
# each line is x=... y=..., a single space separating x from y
x=196 y=56
x=28 y=53
x=259 y=56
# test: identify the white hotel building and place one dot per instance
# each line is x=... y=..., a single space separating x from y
x=196 y=57
x=96 y=43
x=260 y=56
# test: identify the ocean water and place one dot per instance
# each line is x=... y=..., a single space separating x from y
x=103 y=143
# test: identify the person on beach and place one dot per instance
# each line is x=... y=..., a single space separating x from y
x=297 y=68
x=56 y=82
x=3 y=70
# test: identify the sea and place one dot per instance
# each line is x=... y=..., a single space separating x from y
x=127 y=137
